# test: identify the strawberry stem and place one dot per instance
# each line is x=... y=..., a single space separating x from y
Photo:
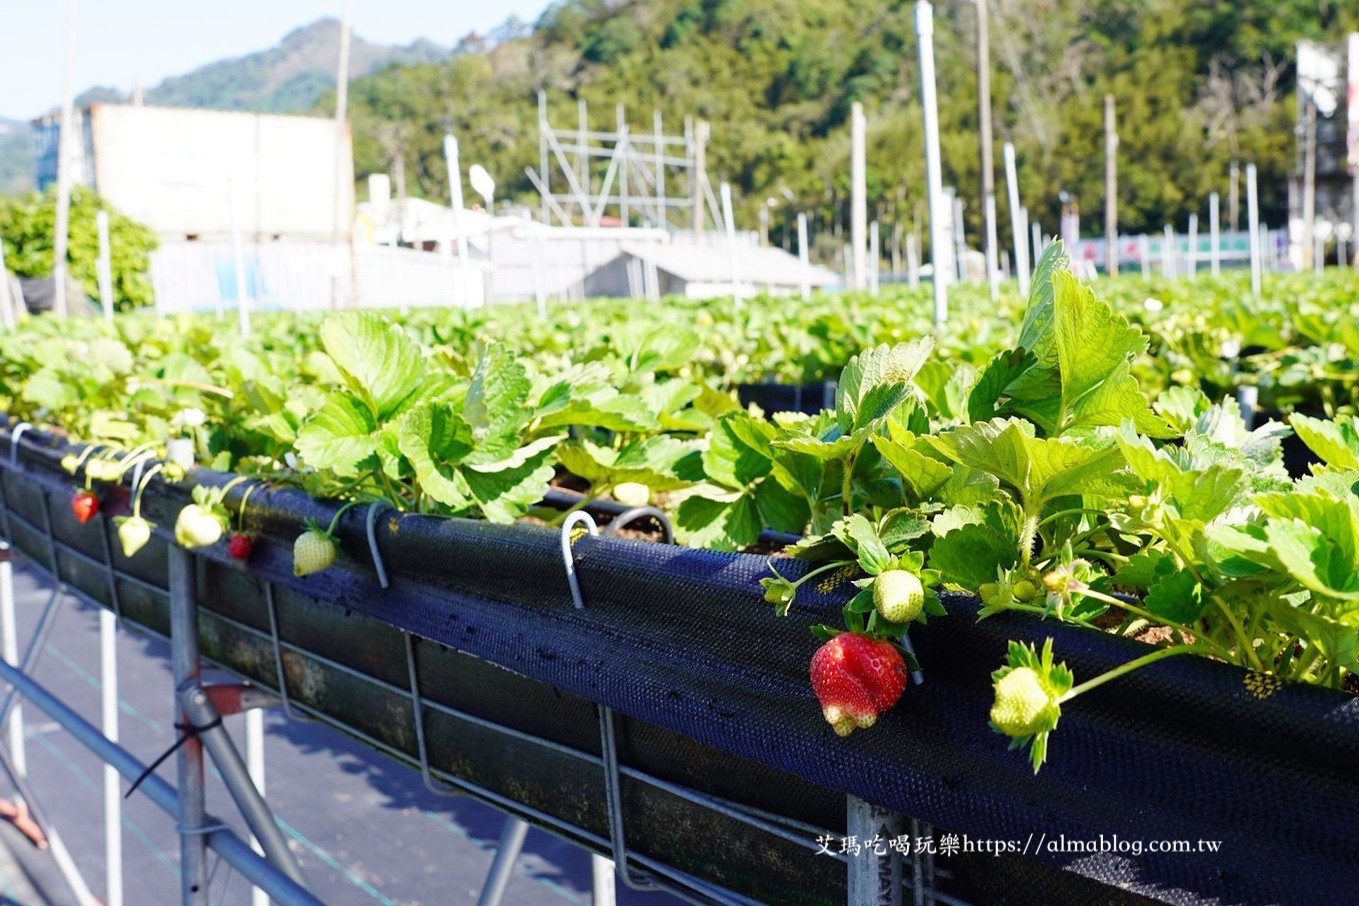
x=1129 y=667
x=338 y=513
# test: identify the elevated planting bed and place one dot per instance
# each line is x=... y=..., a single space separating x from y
x=474 y=664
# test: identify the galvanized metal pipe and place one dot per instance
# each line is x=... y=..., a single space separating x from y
x=283 y=890
x=193 y=863
x=193 y=698
x=875 y=871
x=511 y=843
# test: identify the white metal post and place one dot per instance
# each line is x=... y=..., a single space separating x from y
x=242 y=301
x=1017 y=229
x=1168 y=251
x=113 y=799
x=934 y=180
x=803 y=257
x=1144 y=254
x=912 y=262
x=1215 y=235
x=65 y=149
x=455 y=195
x=874 y=254
x=1036 y=232
x=1191 y=261
x=1253 y=218
x=992 y=264
x=254 y=765
x=602 y=874
x=104 y=266
x=858 y=178
x=9 y=642
x=730 y=225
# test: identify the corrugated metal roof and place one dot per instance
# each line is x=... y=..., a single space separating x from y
x=761 y=266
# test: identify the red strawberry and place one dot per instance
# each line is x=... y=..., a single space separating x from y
x=856 y=678
x=240 y=546
x=85 y=504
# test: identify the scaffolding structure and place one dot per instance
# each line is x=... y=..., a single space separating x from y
x=634 y=177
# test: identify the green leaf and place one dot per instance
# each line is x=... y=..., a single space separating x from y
x=507 y=494
x=433 y=439
x=495 y=400
x=1145 y=569
x=876 y=381
x=377 y=360
x=47 y=388
x=862 y=538
x=717 y=524
x=1313 y=560
x=921 y=474
x=970 y=556
x=1177 y=597
x=1003 y=370
x=781 y=510
x=1335 y=442
x=1038 y=469
x=735 y=458
x=339 y=436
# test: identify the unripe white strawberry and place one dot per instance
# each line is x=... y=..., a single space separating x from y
x=313 y=551
x=898 y=595
x=133 y=534
x=1024 y=706
x=632 y=493
x=198 y=526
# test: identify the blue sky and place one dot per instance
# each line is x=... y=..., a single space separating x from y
x=117 y=40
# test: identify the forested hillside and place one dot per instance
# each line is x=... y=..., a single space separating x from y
x=1198 y=83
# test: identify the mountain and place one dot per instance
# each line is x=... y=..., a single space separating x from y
x=16 y=169
x=287 y=78
x=1198 y=84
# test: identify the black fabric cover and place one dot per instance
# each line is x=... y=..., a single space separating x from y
x=682 y=639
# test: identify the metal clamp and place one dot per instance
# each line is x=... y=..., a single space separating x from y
x=628 y=517
x=370 y=527
x=288 y=707
x=14 y=436
x=612 y=784
x=418 y=703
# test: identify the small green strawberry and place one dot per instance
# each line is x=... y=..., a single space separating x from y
x=898 y=595
x=313 y=551
x=133 y=533
x=70 y=463
x=198 y=526
x=1024 y=705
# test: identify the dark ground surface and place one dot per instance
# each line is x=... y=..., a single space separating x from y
x=363 y=827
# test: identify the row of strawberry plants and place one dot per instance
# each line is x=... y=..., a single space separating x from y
x=1044 y=482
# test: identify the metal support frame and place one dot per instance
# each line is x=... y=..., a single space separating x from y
x=201 y=831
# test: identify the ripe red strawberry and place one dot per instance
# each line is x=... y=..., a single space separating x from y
x=85 y=504
x=856 y=678
x=240 y=546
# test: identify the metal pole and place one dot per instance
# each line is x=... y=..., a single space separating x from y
x=858 y=179
x=254 y=764
x=1036 y=232
x=455 y=195
x=9 y=641
x=65 y=149
x=959 y=240
x=1110 y=188
x=934 y=182
x=104 y=267
x=804 y=269
x=992 y=247
x=621 y=148
x=1253 y=218
x=193 y=698
x=602 y=874
x=1168 y=251
x=1309 y=183
x=1017 y=230
x=1191 y=261
x=232 y=849
x=875 y=872
x=731 y=243
x=912 y=262
x=343 y=232
x=700 y=175
x=506 y=852
x=662 y=214
x=984 y=140
x=242 y=303
x=1215 y=237
x=113 y=800
x=1234 y=197
x=188 y=670
x=1144 y=254
x=543 y=177
x=874 y=254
